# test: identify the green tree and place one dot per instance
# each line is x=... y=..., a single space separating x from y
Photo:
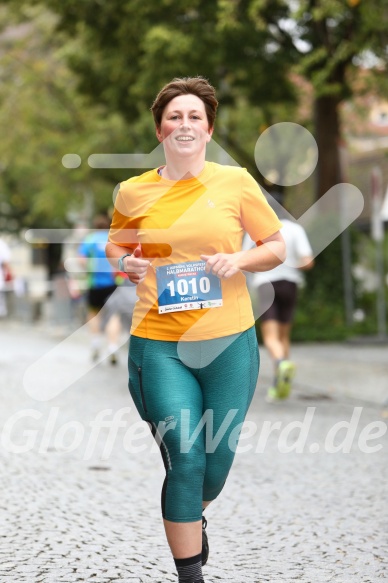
x=42 y=119
x=325 y=41
x=124 y=50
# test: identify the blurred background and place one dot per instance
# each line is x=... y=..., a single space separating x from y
x=79 y=78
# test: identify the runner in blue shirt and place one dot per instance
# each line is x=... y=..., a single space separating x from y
x=101 y=285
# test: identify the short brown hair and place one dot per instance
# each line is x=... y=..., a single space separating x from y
x=198 y=86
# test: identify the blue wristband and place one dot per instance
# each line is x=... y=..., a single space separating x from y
x=121 y=261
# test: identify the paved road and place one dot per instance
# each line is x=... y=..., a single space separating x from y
x=81 y=503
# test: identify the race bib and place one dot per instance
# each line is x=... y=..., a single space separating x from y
x=187 y=286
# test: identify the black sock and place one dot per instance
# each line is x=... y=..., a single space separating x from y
x=190 y=569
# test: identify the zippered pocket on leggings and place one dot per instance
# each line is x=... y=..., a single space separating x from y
x=139 y=372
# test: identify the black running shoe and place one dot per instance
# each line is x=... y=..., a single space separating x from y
x=205 y=542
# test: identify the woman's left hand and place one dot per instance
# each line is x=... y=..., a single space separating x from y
x=223 y=265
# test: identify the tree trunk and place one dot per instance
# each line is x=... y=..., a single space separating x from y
x=327 y=135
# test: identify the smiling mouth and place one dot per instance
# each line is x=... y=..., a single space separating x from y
x=185 y=139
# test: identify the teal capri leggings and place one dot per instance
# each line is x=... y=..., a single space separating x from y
x=194 y=396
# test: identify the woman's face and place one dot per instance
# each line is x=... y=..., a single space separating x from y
x=184 y=129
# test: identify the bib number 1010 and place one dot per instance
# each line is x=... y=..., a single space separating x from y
x=183 y=286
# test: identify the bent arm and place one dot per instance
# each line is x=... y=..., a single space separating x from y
x=114 y=252
x=266 y=256
x=270 y=253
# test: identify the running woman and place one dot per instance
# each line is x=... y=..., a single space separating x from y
x=177 y=232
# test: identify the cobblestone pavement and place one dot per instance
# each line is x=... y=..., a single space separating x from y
x=79 y=503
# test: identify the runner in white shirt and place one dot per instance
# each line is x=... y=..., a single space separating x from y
x=276 y=321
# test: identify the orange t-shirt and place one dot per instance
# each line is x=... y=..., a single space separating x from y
x=177 y=222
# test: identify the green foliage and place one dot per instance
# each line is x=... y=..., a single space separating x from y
x=334 y=33
x=320 y=311
x=43 y=118
x=123 y=51
x=320 y=314
x=365 y=288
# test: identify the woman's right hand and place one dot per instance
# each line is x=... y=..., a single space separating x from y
x=136 y=267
